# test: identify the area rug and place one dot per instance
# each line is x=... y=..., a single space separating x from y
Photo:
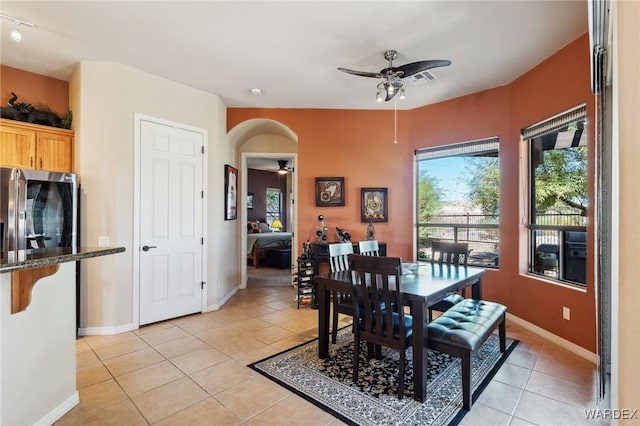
x=373 y=400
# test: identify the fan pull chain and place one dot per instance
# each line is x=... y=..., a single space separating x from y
x=395 y=121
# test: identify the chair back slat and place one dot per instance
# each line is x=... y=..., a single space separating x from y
x=338 y=260
x=369 y=248
x=450 y=253
x=375 y=285
x=379 y=317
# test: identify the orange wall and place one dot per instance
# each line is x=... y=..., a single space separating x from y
x=35 y=89
x=559 y=83
x=357 y=144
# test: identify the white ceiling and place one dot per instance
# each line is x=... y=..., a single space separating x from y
x=270 y=164
x=291 y=50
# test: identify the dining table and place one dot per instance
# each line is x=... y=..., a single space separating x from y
x=428 y=285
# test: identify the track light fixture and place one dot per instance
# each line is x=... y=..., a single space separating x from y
x=16 y=34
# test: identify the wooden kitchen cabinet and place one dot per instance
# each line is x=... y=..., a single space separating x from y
x=32 y=146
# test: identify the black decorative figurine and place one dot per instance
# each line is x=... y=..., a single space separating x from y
x=343 y=235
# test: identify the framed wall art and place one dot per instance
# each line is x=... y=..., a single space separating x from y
x=230 y=192
x=329 y=191
x=250 y=200
x=375 y=204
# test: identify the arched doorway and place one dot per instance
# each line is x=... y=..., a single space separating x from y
x=270 y=141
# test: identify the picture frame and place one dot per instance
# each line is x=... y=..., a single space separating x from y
x=250 y=200
x=329 y=191
x=374 y=205
x=230 y=192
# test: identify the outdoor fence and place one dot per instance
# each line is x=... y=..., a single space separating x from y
x=479 y=231
x=556 y=233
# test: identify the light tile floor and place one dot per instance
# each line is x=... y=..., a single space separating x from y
x=192 y=370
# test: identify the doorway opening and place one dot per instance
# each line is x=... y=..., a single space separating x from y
x=265 y=140
x=270 y=219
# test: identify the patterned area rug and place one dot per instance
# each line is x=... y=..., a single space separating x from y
x=373 y=400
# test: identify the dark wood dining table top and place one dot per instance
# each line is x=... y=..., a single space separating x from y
x=432 y=283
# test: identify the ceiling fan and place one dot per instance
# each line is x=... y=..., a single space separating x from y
x=283 y=169
x=392 y=76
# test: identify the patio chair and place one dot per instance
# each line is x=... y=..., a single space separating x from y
x=546 y=258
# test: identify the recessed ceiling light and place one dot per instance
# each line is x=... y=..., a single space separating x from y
x=256 y=91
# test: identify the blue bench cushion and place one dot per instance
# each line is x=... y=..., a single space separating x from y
x=467 y=324
x=447 y=303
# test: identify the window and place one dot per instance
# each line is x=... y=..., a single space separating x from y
x=458 y=198
x=558 y=197
x=274 y=205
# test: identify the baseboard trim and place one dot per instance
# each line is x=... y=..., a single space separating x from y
x=60 y=410
x=578 y=350
x=105 y=331
x=225 y=299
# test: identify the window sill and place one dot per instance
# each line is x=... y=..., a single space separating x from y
x=577 y=287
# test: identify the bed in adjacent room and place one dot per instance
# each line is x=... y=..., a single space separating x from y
x=260 y=243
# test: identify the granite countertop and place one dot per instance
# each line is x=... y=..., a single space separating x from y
x=34 y=258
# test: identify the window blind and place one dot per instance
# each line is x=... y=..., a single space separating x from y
x=464 y=149
x=556 y=123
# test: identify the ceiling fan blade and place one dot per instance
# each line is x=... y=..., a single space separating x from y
x=362 y=73
x=408 y=70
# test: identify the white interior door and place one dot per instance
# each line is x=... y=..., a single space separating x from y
x=171 y=217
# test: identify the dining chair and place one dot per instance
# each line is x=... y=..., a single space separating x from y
x=375 y=281
x=449 y=253
x=342 y=303
x=444 y=253
x=369 y=248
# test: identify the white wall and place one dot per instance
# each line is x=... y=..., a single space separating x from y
x=625 y=375
x=38 y=351
x=104 y=97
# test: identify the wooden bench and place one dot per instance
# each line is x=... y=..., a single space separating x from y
x=462 y=330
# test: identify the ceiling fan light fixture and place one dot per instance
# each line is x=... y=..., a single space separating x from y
x=283 y=170
x=392 y=75
x=391 y=88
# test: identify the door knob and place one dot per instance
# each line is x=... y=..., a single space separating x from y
x=146 y=248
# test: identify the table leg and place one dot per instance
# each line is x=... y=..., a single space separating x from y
x=420 y=352
x=476 y=290
x=323 y=320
